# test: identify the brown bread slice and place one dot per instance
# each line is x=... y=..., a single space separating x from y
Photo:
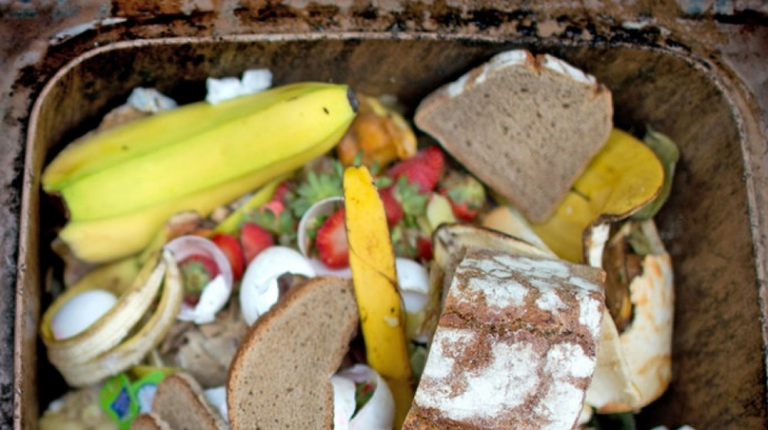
x=527 y=126
x=180 y=401
x=149 y=421
x=515 y=347
x=279 y=378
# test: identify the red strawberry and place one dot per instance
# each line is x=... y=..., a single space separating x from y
x=424 y=248
x=274 y=206
x=392 y=207
x=465 y=193
x=254 y=239
x=423 y=169
x=331 y=241
x=278 y=202
x=229 y=245
x=197 y=271
x=281 y=193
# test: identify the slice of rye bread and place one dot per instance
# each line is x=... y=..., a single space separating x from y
x=180 y=401
x=149 y=421
x=515 y=347
x=526 y=126
x=280 y=376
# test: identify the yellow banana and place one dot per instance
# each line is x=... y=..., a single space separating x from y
x=374 y=276
x=277 y=132
x=100 y=151
x=113 y=238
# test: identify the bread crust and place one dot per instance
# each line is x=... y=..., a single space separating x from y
x=149 y=421
x=515 y=347
x=526 y=126
x=336 y=289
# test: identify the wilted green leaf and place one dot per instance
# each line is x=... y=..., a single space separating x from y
x=667 y=151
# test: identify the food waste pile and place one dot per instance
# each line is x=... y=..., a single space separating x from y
x=308 y=256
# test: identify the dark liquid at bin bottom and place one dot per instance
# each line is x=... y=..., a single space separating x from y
x=719 y=378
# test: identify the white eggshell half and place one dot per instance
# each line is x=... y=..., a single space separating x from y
x=377 y=414
x=80 y=312
x=217 y=397
x=259 y=289
x=216 y=294
x=413 y=280
x=324 y=207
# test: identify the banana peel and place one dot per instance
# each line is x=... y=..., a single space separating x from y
x=111 y=328
x=116 y=276
x=133 y=349
x=107 y=347
x=372 y=261
x=622 y=178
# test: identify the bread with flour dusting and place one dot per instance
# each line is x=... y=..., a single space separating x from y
x=515 y=347
x=526 y=126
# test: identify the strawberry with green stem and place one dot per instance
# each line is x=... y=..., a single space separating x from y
x=254 y=239
x=197 y=271
x=465 y=194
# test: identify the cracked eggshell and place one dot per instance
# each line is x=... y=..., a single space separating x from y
x=259 y=289
x=324 y=207
x=216 y=294
x=413 y=280
x=377 y=414
x=80 y=312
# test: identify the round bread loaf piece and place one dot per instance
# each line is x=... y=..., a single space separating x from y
x=526 y=126
x=280 y=376
x=515 y=347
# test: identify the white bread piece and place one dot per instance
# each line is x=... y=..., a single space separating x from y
x=280 y=376
x=180 y=402
x=526 y=126
x=515 y=347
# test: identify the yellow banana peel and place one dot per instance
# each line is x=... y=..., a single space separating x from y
x=622 y=178
x=133 y=348
x=270 y=135
x=114 y=277
x=111 y=328
x=374 y=276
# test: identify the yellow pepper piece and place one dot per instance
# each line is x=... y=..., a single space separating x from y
x=374 y=276
x=622 y=178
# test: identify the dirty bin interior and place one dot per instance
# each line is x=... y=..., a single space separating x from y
x=718 y=374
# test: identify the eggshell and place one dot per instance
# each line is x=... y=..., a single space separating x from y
x=80 y=312
x=216 y=294
x=324 y=207
x=259 y=289
x=377 y=414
